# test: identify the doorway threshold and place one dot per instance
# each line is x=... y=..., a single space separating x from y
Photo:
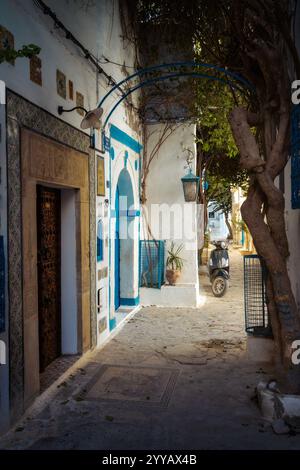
x=122 y=313
x=56 y=369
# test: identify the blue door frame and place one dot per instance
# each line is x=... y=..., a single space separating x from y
x=117 y=252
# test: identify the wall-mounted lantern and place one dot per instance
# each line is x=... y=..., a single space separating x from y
x=190 y=182
x=90 y=121
x=91 y=118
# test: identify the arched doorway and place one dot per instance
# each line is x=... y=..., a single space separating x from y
x=124 y=240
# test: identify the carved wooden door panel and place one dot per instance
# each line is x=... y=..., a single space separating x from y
x=49 y=266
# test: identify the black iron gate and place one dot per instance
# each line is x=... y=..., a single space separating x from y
x=256 y=310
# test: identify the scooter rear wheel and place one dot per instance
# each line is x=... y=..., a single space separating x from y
x=219 y=286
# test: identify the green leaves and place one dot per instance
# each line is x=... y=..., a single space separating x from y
x=213 y=105
x=9 y=54
x=174 y=261
x=220 y=156
x=224 y=174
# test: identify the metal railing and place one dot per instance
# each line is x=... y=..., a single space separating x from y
x=256 y=310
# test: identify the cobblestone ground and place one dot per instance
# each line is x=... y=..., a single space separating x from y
x=171 y=379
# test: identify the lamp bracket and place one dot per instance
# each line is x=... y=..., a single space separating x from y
x=61 y=109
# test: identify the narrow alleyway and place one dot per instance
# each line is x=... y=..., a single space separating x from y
x=171 y=379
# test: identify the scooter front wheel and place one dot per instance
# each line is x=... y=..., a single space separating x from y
x=219 y=286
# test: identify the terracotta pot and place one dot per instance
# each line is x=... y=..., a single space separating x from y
x=172 y=276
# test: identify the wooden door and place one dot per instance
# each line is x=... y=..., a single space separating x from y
x=49 y=267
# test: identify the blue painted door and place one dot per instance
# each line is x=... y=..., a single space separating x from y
x=117 y=253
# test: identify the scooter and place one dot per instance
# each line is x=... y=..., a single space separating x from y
x=219 y=268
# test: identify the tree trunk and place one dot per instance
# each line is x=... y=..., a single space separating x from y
x=228 y=224
x=263 y=212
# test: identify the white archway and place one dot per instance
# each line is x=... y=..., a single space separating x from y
x=124 y=268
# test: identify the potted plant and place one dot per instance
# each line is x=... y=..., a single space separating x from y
x=174 y=264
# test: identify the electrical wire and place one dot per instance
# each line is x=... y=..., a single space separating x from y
x=108 y=61
x=87 y=54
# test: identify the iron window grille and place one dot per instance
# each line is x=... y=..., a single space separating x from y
x=152 y=262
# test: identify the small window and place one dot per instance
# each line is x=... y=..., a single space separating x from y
x=100 y=241
x=99 y=300
x=211 y=215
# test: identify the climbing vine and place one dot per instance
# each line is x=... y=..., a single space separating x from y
x=162 y=135
x=9 y=54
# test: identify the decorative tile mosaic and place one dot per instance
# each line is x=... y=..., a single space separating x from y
x=80 y=102
x=141 y=385
x=102 y=273
x=21 y=112
x=100 y=176
x=35 y=118
x=35 y=65
x=61 y=84
x=15 y=268
x=7 y=41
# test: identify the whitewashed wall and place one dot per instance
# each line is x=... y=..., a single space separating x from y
x=164 y=191
x=98 y=28
x=216 y=224
x=129 y=287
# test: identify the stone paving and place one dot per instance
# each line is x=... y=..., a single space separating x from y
x=170 y=379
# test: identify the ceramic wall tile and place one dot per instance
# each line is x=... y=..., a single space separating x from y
x=35 y=64
x=61 y=84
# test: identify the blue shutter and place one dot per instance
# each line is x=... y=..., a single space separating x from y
x=100 y=241
x=295 y=157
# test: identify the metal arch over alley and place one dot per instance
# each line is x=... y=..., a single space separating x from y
x=180 y=70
